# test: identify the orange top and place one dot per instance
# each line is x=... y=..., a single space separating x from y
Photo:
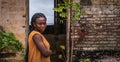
x=34 y=54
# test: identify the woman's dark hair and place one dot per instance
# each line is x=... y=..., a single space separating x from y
x=34 y=17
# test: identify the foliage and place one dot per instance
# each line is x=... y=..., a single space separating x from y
x=85 y=60
x=62 y=55
x=62 y=47
x=21 y=60
x=9 y=43
x=76 y=7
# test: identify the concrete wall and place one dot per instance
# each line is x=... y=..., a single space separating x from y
x=12 y=17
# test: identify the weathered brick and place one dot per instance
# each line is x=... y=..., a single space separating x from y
x=102 y=24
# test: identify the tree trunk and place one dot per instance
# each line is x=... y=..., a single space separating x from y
x=68 y=34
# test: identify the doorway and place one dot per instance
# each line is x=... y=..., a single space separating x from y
x=55 y=32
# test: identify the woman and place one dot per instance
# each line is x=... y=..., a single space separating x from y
x=38 y=46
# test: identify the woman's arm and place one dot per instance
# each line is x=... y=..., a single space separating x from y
x=40 y=45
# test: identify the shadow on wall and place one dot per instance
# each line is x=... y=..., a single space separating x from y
x=1 y=28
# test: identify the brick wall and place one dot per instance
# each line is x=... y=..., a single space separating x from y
x=96 y=36
x=100 y=28
x=12 y=17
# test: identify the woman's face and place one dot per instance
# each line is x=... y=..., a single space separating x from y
x=40 y=24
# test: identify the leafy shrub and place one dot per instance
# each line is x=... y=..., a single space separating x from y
x=9 y=43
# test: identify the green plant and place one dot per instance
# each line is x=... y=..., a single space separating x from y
x=9 y=43
x=85 y=60
x=63 y=52
x=76 y=7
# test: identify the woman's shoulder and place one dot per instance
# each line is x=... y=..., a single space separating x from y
x=35 y=32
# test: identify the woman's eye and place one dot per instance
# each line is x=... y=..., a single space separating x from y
x=42 y=23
